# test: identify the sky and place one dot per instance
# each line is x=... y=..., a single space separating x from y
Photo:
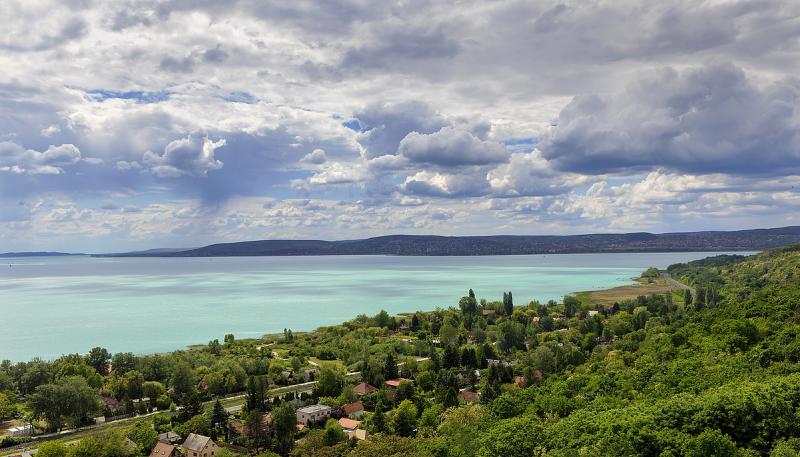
x=178 y=123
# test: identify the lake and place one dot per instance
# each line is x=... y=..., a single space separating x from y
x=56 y=305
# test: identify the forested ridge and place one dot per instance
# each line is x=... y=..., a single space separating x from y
x=714 y=371
x=429 y=245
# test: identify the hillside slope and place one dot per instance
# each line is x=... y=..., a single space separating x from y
x=423 y=245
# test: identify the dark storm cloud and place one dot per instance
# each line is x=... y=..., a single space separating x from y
x=393 y=48
x=700 y=120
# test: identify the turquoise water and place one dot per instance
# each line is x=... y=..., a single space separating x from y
x=55 y=305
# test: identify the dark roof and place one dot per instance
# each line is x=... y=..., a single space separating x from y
x=195 y=442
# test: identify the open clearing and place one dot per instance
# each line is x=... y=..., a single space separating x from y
x=618 y=294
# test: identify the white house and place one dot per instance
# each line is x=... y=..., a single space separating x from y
x=313 y=414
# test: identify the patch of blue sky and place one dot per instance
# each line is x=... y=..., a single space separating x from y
x=140 y=96
x=240 y=97
x=354 y=125
x=520 y=144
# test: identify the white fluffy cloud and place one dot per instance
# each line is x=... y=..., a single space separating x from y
x=451 y=146
x=190 y=156
x=16 y=159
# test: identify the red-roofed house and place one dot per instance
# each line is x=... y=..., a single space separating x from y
x=164 y=450
x=394 y=383
x=363 y=388
x=349 y=424
x=353 y=410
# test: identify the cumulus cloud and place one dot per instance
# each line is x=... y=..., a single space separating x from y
x=385 y=125
x=435 y=184
x=51 y=130
x=315 y=157
x=190 y=156
x=528 y=174
x=337 y=173
x=702 y=119
x=451 y=147
x=16 y=159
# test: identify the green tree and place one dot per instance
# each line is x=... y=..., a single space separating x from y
x=492 y=384
x=468 y=305
x=405 y=391
x=447 y=388
x=329 y=382
x=71 y=400
x=51 y=449
x=284 y=425
x=98 y=358
x=144 y=436
x=508 y=303
x=405 y=418
x=219 y=417
x=571 y=305
x=379 y=418
x=687 y=297
x=333 y=433
x=256 y=394
x=182 y=382
x=390 y=367
x=710 y=443
x=256 y=432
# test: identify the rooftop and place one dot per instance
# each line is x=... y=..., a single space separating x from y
x=313 y=409
x=195 y=442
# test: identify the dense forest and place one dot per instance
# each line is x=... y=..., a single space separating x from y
x=425 y=245
x=713 y=370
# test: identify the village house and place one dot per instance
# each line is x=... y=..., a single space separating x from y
x=169 y=437
x=353 y=410
x=164 y=450
x=199 y=446
x=487 y=312
x=394 y=383
x=349 y=424
x=363 y=388
x=313 y=414
x=358 y=434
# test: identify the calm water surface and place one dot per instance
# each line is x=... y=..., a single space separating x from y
x=56 y=305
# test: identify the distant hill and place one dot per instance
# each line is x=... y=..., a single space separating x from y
x=427 y=245
x=35 y=254
x=145 y=253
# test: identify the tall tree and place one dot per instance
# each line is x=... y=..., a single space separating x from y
x=256 y=431
x=491 y=386
x=219 y=418
x=256 y=394
x=284 y=426
x=508 y=303
x=390 y=367
x=405 y=418
x=687 y=297
x=98 y=358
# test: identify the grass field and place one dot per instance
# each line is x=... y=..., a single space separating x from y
x=618 y=294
